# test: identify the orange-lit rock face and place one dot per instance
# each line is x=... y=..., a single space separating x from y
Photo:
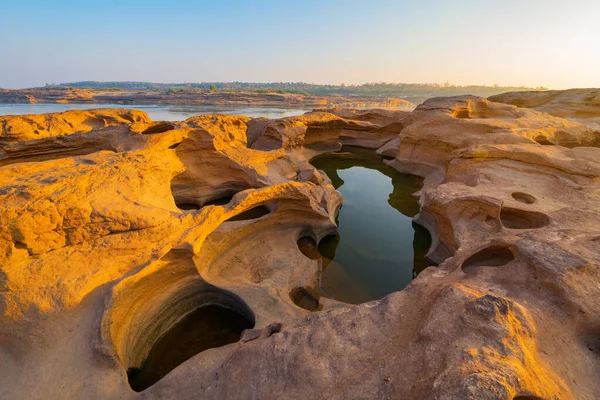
x=38 y=126
x=114 y=228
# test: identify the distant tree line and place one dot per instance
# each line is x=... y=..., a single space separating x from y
x=402 y=90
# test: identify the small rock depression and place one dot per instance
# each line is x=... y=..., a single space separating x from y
x=303 y=298
x=515 y=218
x=492 y=256
x=524 y=198
x=253 y=213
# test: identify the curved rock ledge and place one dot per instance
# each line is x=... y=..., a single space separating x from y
x=113 y=228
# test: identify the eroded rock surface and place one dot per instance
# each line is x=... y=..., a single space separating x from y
x=112 y=232
x=582 y=105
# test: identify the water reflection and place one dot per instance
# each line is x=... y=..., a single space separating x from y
x=156 y=112
x=378 y=249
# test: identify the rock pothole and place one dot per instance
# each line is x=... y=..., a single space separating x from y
x=184 y=201
x=523 y=198
x=515 y=218
x=209 y=326
x=304 y=298
x=308 y=247
x=160 y=320
x=492 y=256
x=253 y=213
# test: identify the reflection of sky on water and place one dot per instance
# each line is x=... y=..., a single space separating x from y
x=156 y=112
x=378 y=250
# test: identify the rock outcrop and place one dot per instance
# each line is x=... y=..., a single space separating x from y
x=582 y=105
x=112 y=231
x=441 y=125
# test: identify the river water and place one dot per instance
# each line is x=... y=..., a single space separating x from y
x=156 y=112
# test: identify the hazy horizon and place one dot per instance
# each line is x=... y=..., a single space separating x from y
x=540 y=43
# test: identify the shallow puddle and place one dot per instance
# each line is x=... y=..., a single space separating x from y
x=378 y=249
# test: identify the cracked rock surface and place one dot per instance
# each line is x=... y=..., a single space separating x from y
x=114 y=227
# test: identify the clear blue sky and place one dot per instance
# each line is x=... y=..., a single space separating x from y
x=510 y=42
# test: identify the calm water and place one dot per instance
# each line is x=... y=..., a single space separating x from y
x=156 y=112
x=378 y=249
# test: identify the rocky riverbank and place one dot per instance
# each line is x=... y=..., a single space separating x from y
x=198 y=97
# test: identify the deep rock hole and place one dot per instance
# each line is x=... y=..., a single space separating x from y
x=253 y=213
x=493 y=256
x=209 y=326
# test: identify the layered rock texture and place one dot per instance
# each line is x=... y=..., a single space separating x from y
x=115 y=227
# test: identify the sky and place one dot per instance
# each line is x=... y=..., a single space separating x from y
x=555 y=44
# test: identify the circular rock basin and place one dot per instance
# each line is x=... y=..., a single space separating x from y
x=378 y=249
x=206 y=327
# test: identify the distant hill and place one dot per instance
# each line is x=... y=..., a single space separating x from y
x=401 y=90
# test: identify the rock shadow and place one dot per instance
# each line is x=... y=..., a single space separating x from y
x=515 y=218
x=524 y=198
x=492 y=256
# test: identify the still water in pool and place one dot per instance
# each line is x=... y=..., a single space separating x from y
x=378 y=249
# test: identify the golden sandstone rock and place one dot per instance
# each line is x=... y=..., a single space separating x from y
x=582 y=105
x=113 y=228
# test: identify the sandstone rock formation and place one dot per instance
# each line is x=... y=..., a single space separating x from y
x=114 y=227
x=582 y=105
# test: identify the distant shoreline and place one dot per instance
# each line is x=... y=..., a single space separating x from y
x=195 y=97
